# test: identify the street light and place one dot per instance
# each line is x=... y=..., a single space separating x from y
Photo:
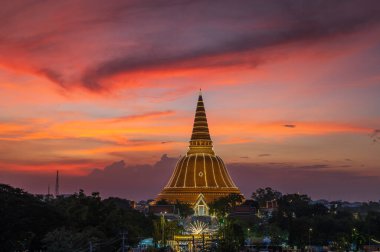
x=353 y=239
x=310 y=230
x=163 y=227
x=123 y=240
x=248 y=238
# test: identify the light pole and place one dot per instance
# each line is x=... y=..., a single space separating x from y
x=123 y=240
x=369 y=237
x=163 y=227
x=90 y=243
x=310 y=230
x=353 y=239
x=249 y=238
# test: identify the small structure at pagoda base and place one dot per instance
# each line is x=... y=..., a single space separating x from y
x=200 y=176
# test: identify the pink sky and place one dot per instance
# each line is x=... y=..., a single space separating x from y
x=290 y=87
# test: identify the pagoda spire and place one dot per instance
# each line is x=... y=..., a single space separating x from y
x=200 y=141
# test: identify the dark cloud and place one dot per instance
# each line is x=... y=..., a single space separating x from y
x=53 y=76
x=313 y=167
x=289 y=125
x=322 y=182
x=375 y=132
x=375 y=135
x=165 y=142
x=129 y=181
x=146 y=181
x=345 y=166
x=201 y=58
x=264 y=155
x=277 y=163
x=305 y=24
x=118 y=179
x=308 y=21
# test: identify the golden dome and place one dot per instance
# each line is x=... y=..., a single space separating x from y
x=200 y=171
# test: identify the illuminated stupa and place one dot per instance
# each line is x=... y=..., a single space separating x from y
x=200 y=176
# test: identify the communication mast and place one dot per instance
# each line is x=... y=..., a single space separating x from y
x=57 y=184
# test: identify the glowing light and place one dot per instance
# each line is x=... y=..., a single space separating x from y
x=198 y=227
x=375 y=241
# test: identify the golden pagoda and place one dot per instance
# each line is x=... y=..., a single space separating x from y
x=200 y=176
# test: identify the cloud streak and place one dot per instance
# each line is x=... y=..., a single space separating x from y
x=143 y=116
x=289 y=125
x=264 y=155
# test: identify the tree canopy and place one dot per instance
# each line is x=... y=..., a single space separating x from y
x=222 y=206
x=29 y=222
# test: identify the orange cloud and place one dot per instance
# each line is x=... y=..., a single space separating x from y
x=79 y=169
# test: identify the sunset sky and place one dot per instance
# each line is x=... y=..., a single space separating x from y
x=291 y=89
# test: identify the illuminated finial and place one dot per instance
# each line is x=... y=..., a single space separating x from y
x=200 y=137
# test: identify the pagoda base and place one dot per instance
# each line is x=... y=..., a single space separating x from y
x=190 y=195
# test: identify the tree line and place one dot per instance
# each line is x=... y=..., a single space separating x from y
x=73 y=223
x=297 y=221
x=79 y=221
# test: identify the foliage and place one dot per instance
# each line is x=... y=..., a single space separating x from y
x=110 y=216
x=31 y=223
x=184 y=209
x=232 y=236
x=222 y=207
x=73 y=223
x=163 y=228
x=372 y=224
x=24 y=219
x=298 y=221
x=162 y=202
x=61 y=240
x=267 y=194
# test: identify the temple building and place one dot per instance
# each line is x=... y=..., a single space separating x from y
x=200 y=176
